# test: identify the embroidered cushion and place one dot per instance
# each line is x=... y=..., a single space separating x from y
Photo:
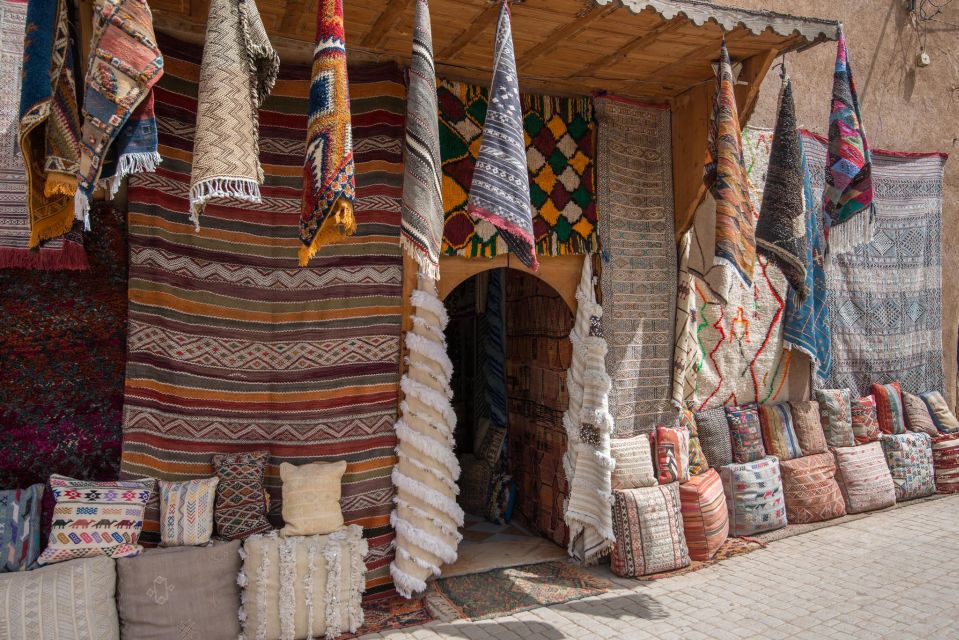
x=697 y=459
x=754 y=496
x=909 y=456
x=492 y=448
x=917 y=415
x=889 y=407
x=311 y=498
x=634 y=462
x=864 y=478
x=945 y=461
x=96 y=518
x=745 y=433
x=648 y=526
x=672 y=454
x=865 y=423
x=180 y=592
x=810 y=489
x=808 y=428
x=779 y=437
x=20 y=527
x=835 y=415
x=240 y=508
x=186 y=511
x=944 y=419
x=65 y=601
x=705 y=519
x=303 y=585
x=713 y=431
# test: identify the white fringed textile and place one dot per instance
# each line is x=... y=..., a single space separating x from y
x=426 y=516
x=588 y=463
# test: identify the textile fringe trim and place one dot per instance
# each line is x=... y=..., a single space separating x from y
x=59 y=184
x=72 y=257
x=845 y=237
x=339 y=223
x=131 y=163
x=81 y=210
x=233 y=188
x=426 y=268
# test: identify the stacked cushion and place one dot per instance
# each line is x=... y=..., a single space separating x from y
x=889 y=407
x=945 y=461
x=697 y=459
x=835 y=415
x=808 y=428
x=186 y=511
x=865 y=423
x=745 y=433
x=311 y=498
x=672 y=454
x=634 y=463
x=648 y=526
x=909 y=456
x=917 y=415
x=754 y=496
x=810 y=489
x=864 y=478
x=20 y=527
x=944 y=419
x=240 y=509
x=778 y=434
x=705 y=519
x=713 y=430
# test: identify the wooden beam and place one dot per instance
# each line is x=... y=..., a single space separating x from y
x=638 y=43
x=84 y=18
x=690 y=121
x=391 y=14
x=479 y=24
x=562 y=34
x=753 y=73
x=292 y=15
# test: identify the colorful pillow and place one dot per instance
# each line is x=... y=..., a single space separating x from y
x=917 y=415
x=648 y=526
x=311 y=498
x=889 y=407
x=705 y=519
x=945 y=462
x=240 y=509
x=672 y=454
x=909 y=456
x=810 y=489
x=864 y=478
x=634 y=463
x=20 y=527
x=713 y=431
x=865 y=423
x=754 y=496
x=808 y=427
x=779 y=437
x=835 y=415
x=186 y=512
x=746 y=435
x=944 y=419
x=698 y=462
x=96 y=518
x=180 y=593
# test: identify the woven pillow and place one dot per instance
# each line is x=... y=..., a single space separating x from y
x=96 y=518
x=889 y=407
x=705 y=519
x=648 y=526
x=672 y=454
x=20 y=527
x=944 y=419
x=835 y=415
x=754 y=496
x=186 y=511
x=779 y=437
x=492 y=448
x=311 y=498
x=945 y=461
x=810 y=489
x=808 y=428
x=917 y=415
x=745 y=433
x=909 y=456
x=713 y=431
x=698 y=463
x=864 y=478
x=240 y=509
x=865 y=423
x=634 y=463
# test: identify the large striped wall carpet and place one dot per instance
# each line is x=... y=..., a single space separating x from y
x=233 y=346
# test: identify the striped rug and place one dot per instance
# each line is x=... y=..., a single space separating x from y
x=233 y=346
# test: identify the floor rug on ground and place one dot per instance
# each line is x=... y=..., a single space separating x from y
x=732 y=547
x=389 y=614
x=233 y=346
x=487 y=546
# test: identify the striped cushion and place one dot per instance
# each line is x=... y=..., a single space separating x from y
x=944 y=419
x=697 y=459
x=754 y=496
x=186 y=512
x=909 y=456
x=672 y=454
x=705 y=519
x=745 y=433
x=810 y=489
x=835 y=415
x=808 y=428
x=889 y=407
x=20 y=527
x=864 y=478
x=865 y=423
x=713 y=430
x=917 y=415
x=648 y=526
x=945 y=460
x=778 y=434
x=634 y=462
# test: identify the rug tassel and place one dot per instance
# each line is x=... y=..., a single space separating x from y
x=339 y=223
x=59 y=184
x=131 y=163
x=845 y=237
x=229 y=188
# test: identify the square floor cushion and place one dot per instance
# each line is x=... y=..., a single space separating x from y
x=672 y=454
x=648 y=526
x=808 y=427
x=311 y=497
x=180 y=592
x=241 y=502
x=835 y=415
x=909 y=456
x=745 y=433
x=779 y=437
x=810 y=489
x=712 y=428
x=754 y=496
x=865 y=421
x=634 y=462
x=889 y=407
x=864 y=478
x=945 y=461
x=186 y=511
x=939 y=411
x=705 y=518
x=697 y=459
x=20 y=527
x=917 y=415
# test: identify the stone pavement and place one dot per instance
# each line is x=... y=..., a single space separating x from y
x=894 y=574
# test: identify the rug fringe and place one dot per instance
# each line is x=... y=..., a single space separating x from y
x=128 y=164
x=71 y=257
x=845 y=237
x=230 y=188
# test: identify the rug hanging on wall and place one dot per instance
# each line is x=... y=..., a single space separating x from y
x=635 y=192
x=233 y=346
x=885 y=297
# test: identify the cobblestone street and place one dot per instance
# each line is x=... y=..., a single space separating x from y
x=894 y=574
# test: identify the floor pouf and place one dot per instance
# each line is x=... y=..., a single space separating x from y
x=754 y=496
x=945 y=461
x=909 y=456
x=864 y=478
x=705 y=519
x=648 y=526
x=810 y=489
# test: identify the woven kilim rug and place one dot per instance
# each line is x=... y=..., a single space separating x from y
x=732 y=547
x=885 y=297
x=635 y=193
x=387 y=614
x=233 y=346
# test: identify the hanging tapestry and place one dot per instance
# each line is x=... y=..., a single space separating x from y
x=559 y=136
x=232 y=346
x=635 y=193
x=885 y=297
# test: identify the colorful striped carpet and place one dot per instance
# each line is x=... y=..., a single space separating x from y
x=233 y=346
